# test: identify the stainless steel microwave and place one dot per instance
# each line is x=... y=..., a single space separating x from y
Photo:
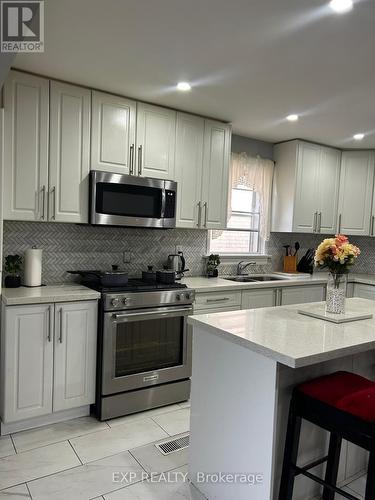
x=126 y=200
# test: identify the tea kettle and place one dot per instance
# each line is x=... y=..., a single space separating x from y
x=176 y=262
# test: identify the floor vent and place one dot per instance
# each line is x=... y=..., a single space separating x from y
x=178 y=444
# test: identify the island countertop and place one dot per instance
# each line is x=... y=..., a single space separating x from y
x=290 y=338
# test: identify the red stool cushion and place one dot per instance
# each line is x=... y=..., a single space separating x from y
x=346 y=391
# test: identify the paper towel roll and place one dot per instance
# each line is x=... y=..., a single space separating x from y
x=33 y=267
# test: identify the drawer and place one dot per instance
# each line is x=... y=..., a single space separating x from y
x=364 y=291
x=215 y=300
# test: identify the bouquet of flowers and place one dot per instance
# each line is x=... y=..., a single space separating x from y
x=336 y=254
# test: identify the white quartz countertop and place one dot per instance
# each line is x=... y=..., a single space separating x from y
x=290 y=338
x=45 y=294
x=203 y=284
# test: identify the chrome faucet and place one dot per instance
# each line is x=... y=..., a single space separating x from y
x=241 y=267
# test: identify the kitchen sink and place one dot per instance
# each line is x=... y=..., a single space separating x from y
x=254 y=279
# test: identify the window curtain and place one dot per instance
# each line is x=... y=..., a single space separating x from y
x=256 y=173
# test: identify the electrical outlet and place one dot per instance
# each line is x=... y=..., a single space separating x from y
x=127 y=256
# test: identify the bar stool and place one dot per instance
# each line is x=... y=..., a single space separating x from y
x=344 y=405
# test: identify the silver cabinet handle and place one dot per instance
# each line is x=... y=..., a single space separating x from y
x=53 y=211
x=205 y=206
x=61 y=325
x=320 y=222
x=339 y=224
x=51 y=320
x=43 y=193
x=131 y=160
x=140 y=160
x=314 y=222
x=199 y=213
x=224 y=299
x=372 y=225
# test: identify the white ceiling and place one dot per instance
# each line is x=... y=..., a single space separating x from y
x=251 y=62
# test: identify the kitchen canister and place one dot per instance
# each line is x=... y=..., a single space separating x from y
x=33 y=267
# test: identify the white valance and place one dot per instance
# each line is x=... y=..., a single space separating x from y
x=256 y=173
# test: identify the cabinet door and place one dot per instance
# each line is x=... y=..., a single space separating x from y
x=356 y=188
x=27 y=346
x=364 y=291
x=113 y=133
x=329 y=178
x=69 y=153
x=301 y=294
x=306 y=195
x=25 y=146
x=215 y=180
x=252 y=299
x=156 y=139
x=188 y=173
x=75 y=354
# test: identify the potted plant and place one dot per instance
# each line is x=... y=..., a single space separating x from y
x=212 y=264
x=337 y=255
x=12 y=268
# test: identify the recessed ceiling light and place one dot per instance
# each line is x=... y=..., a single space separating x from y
x=184 y=86
x=292 y=118
x=358 y=137
x=341 y=6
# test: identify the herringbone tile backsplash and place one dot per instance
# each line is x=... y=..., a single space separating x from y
x=72 y=246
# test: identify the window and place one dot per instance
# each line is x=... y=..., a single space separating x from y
x=249 y=208
x=242 y=234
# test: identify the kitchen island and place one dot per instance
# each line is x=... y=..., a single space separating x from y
x=245 y=365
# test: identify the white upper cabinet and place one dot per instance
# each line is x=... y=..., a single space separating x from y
x=305 y=188
x=188 y=169
x=27 y=361
x=156 y=137
x=113 y=133
x=26 y=106
x=356 y=192
x=329 y=179
x=69 y=164
x=215 y=180
x=75 y=355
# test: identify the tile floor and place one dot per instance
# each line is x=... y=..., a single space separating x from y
x=77 y=459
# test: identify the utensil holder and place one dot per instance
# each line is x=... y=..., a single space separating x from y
x=290 y=264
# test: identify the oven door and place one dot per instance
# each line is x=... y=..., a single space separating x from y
x=145 y=347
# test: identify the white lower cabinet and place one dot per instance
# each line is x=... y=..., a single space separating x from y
x=364 y=291
x=301 y=294
x=75 y=355
x=48 y=358
x=27 y=361
x=253 y=299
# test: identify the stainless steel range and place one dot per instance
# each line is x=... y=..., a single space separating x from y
x=144 y=351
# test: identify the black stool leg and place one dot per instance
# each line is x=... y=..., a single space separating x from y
x=370 y=483
x=290 y=456
x=332 y=465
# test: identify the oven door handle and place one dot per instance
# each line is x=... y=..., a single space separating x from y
x=139 y=316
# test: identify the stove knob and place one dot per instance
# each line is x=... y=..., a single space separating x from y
x=125 y=301
x=188 y=296
x=115 y=302
x=180 y=296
